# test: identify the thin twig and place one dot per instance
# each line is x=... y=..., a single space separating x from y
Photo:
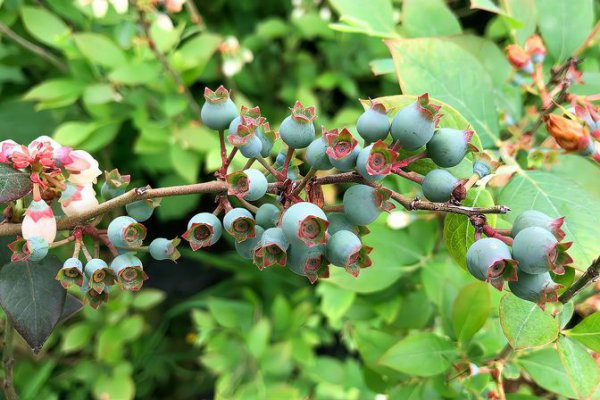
x=195 y=14
x=311 y=172
x=590 y=275
x=181 y=86
x=32 y=47
x=8 y=361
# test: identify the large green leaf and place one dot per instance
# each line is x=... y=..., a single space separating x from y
x=471 y=310
x=418 y=14
x=525 y=324
x=420 y=354
x=44 y=26
x=196 y=52
x=546 y=370
x=373 y=17
x=489 y=5
x=582 y=371
x=588 y=332
x=411 y=248
x=99 y=49
x=459 y=233
x=565 y=25
x=556 y=196
x=451 y=74
x=32 y=298
x=14 y=184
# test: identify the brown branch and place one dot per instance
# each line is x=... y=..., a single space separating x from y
x=32 y=47
x=8 y=362
x=590 y=275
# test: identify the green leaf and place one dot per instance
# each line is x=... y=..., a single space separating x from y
x=185 y=162
x=471 y=310
x=587 y=332
x=526 y=11
x=55 y=89
x=117 y=386
x=459 y=80
x=582 y=371
x=410 y=252
x=420 y=354
x=19 y=119
x=99 y=93
x=73 y=133
x=525 y=324
x=335 y=301
x=556 y=196
x=32 y=298
x=231 y=314
x=489 y=5
x=44 y=26
x=258 y=337
x=136 y=73
x=14 y=184
x=195 y=53
x=417 y=17
x=77 y=337
x=489 y=55
x=148 y=298
x=565 y=25
x=373 y=18
x=100 y=50
x=72 y=306
x=459 y=232
x=382 y=66
x=545 y=368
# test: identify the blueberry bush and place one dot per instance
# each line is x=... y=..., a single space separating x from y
x=309 y=199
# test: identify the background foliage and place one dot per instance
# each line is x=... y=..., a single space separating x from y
x=414 y=326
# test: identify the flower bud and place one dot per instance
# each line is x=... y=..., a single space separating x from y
x=126 y=232
x=569 y=134
x=71 y=273
x=78 y=199
x=519 y=58
x=534 y=46
x=7 y=147
x=165 y=249
x=82 y=167
x=129 y=271
x=39 y=221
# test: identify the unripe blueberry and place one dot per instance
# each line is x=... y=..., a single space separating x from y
x=316 y=155
x=339 y=222
x=267 y=215
x=448 y=146
x=71 y=273
x=438 y=185
x=245 y=137
x=342 y=148
x=297 y=130
x=374 y=124
x=537 y=288
x=218 y=110
x=489 y=260
x=253 y=112
x=38 y=248
x=308 y=261
x=142 y=210
x=126 y=232
x=114 y=184
x=305 y=223
x=363 y=204
x=530 y=218
x=95 y=299
x=246 y=247
x=345 y=250
x=280 y=159
x=272 y=249
x=164 y=249
x=203 y=229
x=538 y=251
x=414 y=124
x=129 y=271
x=249 y=184
x=375 y=161
x=267 y=137
x=98 y=274
x=252 y=149
x=240 y=224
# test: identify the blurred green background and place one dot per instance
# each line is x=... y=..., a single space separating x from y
x=213 y=325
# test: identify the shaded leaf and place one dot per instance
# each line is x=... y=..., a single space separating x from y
x=14 y=184
x=546 y=370
x=588 y=332
x=71 y=307
x=32 y=298
x=471 y=310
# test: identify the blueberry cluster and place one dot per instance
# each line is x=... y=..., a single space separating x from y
x=299 y=232
x=537 y=252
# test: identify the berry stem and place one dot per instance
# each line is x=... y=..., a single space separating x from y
x=411 y=176
x=85 y=251
x=491 y=232
x=396 y=146
x=334 y=208
x=277 y=175
x=223 y=153
x=470 y=182
x=247 y=205
x=311 y=172
x=286 y=163
x=230 y=158
x=62 y=242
